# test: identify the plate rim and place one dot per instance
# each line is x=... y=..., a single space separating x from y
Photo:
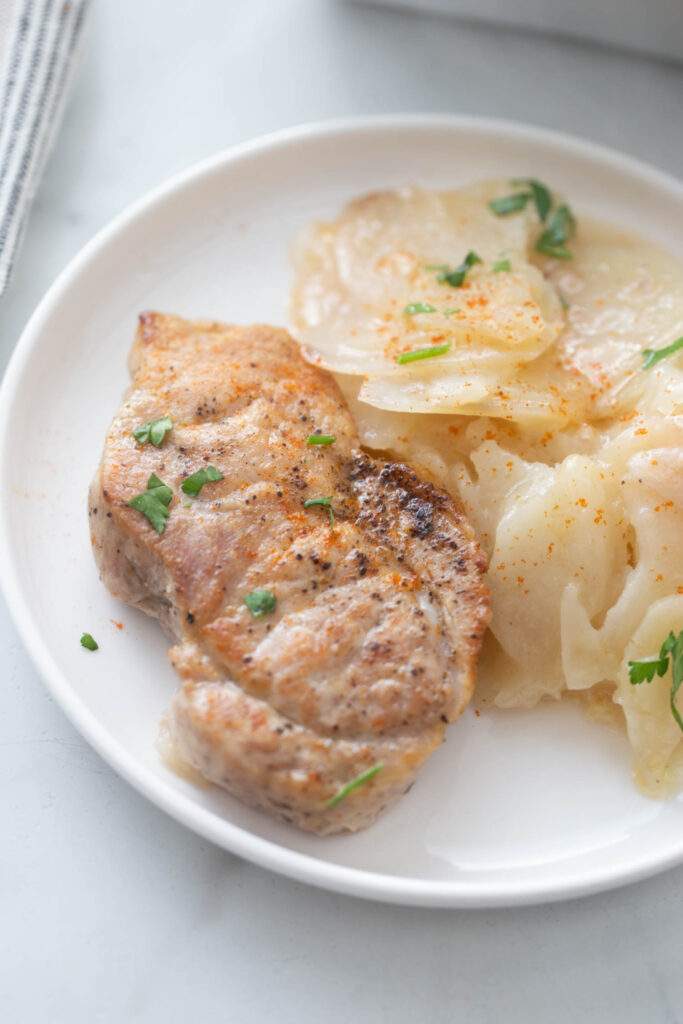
x=264 y=852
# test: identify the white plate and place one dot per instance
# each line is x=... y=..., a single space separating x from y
x=516 y=807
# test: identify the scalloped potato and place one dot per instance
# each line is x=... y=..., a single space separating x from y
x=565 y=452
x=358 y=278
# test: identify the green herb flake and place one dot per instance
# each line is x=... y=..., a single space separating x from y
x=676 y=652
x=423 y=353
x=644 y=670
x=154 y=502
x=419 y=307
x=193 y=484
x=155 y=431
x=501 y=266
x=260 y=602
x=152 y=508
x=321 y=439
x=456 y=278
x=89 y=642
x=506 y=205
x=324 y=503
x=652 y=356
x=354 y=784
x=560 y=230
x=159 y=489
x=540 y=195
x=451 y=310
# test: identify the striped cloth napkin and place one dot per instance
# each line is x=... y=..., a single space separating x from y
x=38 y=44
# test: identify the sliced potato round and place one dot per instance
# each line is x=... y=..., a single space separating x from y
x=379 y=283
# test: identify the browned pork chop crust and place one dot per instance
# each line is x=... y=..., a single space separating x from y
x=372 y=646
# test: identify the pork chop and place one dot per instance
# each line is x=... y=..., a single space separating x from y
x=364 y=614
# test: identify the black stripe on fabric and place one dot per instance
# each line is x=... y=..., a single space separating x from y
x=17 y=184
x=33 y=132
x=65 y=67
x=15 y=53
x=41 y=116
x=34 y=65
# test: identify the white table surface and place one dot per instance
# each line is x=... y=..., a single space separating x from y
x=111 y=912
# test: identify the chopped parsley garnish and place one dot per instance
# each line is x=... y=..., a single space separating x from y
x=208 y=474
x=154 y=502
x=419 y=307
x=354 y=784
x=561 y=227
x=89 y=642
x=540 y=195
x=653 y=355
x=506 y=205
x=325 y=503
x=161 y=490
x=423 y=353
x=425 y=307
x=646 y=669
x=671 y=652
x=456 y=278
x=155 y=431
x=321 y=439
x=260 y=602
x=501 y=265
